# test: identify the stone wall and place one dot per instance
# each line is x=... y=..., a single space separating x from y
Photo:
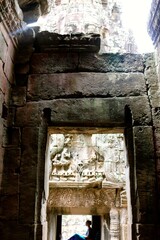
x=73 y=88
x=154 y=86
x=7 y=51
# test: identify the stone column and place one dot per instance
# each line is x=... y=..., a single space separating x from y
x=114 y=224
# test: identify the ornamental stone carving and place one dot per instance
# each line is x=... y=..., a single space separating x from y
x=87 y=160
x=91 y=16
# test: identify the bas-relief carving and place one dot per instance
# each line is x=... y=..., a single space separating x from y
x=12 y=16
x=91 y=16
x=87 y=159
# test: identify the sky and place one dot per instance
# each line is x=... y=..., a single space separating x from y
x=135 y=16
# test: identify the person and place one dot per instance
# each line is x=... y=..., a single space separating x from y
x=88 y=235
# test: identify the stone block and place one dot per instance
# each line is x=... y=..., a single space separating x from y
x=4 y=84
x=29 y=170
x=10 y=207
x=11 y=51
x=30 y=149
x=24 y=54
x=50 y=86
x=83 y=62
x=27 y=204
x=1 y=159
x=19 y=96
x=144 y=162
x=1 y=103
x=3 y=47
x=144 y=153
x=11 y=116
x=102 y=112
x=54 y=62
x=10 y=182
x=140 y=109
x=156 y=116
x=146 y=206
x=20 y=231
x=11 y=137
x=12 y=158
x=145 y=232
x=9 y=69
x=157 y=138
x=110 y=62
x=28 y=115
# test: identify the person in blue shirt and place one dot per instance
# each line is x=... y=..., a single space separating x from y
x=88 y=235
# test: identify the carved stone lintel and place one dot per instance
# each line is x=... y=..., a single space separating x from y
x=46 y=41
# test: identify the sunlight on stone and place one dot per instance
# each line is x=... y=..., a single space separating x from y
x=122 y=24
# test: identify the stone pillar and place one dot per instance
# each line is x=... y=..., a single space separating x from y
x=114 y=224
x=52 y=226
x=143 y=198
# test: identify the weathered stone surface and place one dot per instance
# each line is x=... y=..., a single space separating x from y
x=8 y=178
x=30 y=150
x=111 y=63
x=19 y=96
x=11 y=201
x=77 y=197
x=12 y=160
x=93 y=112
x=28 y=115
x=27 y=209
x=69 y=62
x=24 y=54
x=13 y=230
x=11 y=137
x=47 y=41
x=145 y=173
x=4 y=83
x=99 y=111
x=29 y=169
x=54 y=62
x=85 y=85
x=3 y=48
x=9 y=69
x=144 y=232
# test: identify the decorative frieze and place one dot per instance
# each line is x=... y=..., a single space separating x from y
x=11 y=18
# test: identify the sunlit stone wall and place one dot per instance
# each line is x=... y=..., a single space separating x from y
x=92 y=16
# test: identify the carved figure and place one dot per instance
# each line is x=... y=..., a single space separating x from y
x=88 y=158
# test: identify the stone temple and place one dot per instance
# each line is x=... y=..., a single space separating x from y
x=79 y=121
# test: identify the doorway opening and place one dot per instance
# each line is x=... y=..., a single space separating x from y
x=74 y=224
x=87 y=179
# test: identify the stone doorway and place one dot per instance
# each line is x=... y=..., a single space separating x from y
x=87 y=176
